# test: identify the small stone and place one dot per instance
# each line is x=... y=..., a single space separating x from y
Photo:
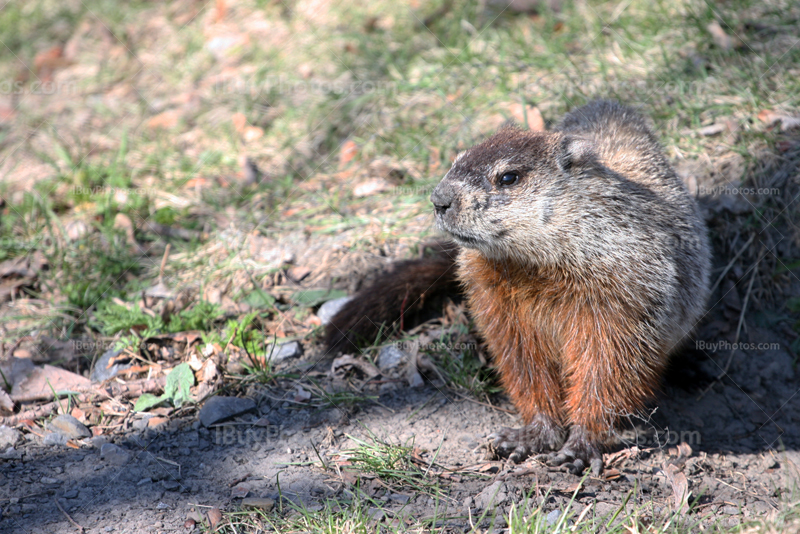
x=398 y=497
x=331 y=308
x=102 y=371
x=142 y=423
x=98 y=441
x=256 y=502
x=293 y=349
x=70 y=427
x=170 y=485
x=54 y=439
x=219 y=408
x=492 y=496
x=144 y=481
x=552 y=517
x=50 y=480
x=390 y=357
x=71 y=494
x=11 y=454
x=9 y=437
x=376 y=514
x=114 y=454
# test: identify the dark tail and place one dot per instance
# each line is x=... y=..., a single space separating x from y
x=394 y=299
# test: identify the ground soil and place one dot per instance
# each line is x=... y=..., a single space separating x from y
x=743 y=432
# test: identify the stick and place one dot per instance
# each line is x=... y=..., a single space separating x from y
x=738 y=328
x=76 y=525
x=730 y=264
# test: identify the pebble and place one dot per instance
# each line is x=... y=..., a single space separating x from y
x=219 y=408
x=170 y=485
x=69 y=426
x=285 y=351
x=49 y=480
x=102 y=371
x=144 y=481
x=71 y=494
x=55 y=438
x=331 y=308
x=492 y=496
x=390 y=357
x=552 y=517
x=114 y=454
x=9 y=437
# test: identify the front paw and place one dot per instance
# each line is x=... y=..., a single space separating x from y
x=541 y=435
x=578 y=452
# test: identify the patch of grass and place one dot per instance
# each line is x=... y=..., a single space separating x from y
x=94 y=268
x=111 y=317
x=392 y=464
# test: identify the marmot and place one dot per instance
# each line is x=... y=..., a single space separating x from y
x=585 y=263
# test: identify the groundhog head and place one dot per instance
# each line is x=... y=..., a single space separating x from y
x=507 y=197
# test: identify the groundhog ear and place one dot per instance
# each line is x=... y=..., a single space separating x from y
x=576 y=152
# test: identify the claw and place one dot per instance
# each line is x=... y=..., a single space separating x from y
x=578 y=452
x=541 y=435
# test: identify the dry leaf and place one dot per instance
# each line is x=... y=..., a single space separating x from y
x=713 y=129
x=770 y=117
x=239 y=492
x=49 y=60
x=347 y=152
x=371 y=187
x=6 y=404
x=301 y=395
x=680 y=486
x=214 y=517
x=239 y=122
x=166 y=120
x=343 y=363
x=43 y=380
x=7 y=114
x=722 y=39
x=222 y=9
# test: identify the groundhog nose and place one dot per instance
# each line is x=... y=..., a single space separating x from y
x=442 y=199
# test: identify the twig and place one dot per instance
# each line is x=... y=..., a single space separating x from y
x=738 y=327
x=730 y=264
x=512 y=412
x=76 y=525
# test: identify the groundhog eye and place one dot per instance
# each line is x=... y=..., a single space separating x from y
x=509 y=178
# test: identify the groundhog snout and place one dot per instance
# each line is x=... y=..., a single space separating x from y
x=444 y=199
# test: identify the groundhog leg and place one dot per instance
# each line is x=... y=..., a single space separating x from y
x=609 y=373
x=531 y=377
